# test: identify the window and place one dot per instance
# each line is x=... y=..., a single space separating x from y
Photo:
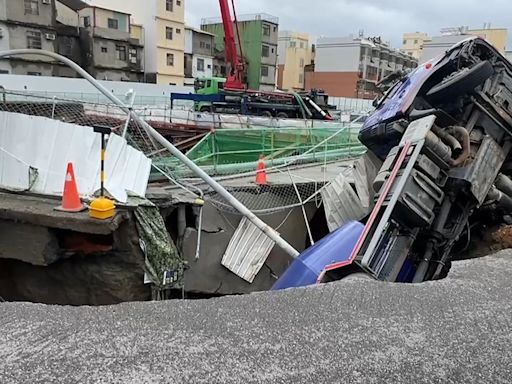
x=208 y=46
x=265 y=51
x=87 y=21
x=293 y=44
x=302 y=45
x=178 y=31
x=302 y=63
x=31 y=7
x=202 y=44
x=200 y=65
x=170 y=60
x=132 y=53
x=416 y=41
x=301 y=78
x=275 y=28
x=104 y=50
x=34 y=73
x=264 y=71
x=266 y=30
x=209 y=66
x=113 y=23
x=405 y=42
x=178 y=3
x=66 y=46
x=4 y=72
x=168 y=33
x=121 y=52
x=169 y=7
x=34 y=40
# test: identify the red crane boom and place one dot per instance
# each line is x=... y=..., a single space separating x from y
x=237 y=68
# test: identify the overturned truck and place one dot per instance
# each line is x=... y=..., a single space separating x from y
x=444 y=135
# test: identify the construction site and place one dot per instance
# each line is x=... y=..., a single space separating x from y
x=239 y=236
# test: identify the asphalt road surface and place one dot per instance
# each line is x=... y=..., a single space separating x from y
x=358 y=331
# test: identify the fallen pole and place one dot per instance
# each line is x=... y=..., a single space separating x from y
x=266 y=229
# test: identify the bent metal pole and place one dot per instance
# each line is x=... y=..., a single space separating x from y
x=269 y=231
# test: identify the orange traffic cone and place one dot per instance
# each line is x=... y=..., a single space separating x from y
x=70 y=198
x=261 y=172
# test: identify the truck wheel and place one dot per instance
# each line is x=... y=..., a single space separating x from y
x=462 y=82
x=282 y=115
x=205 y=109
x=266 y=114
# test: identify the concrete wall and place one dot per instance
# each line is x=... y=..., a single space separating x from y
x=413 y=43
x=18 y=40
x=15 y=11
x=66 y=15
x=337 y=55
x=137 y=32
x=497 y=37
x=336 y=84
x=438 y=45
x=5 y=65
x=59 y=85
x=208 y=66
x=109 y=59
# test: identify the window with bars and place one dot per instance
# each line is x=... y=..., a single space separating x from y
x=265 y=51
x=31 y=7
x=170 y=60
x=34 y=40
x=200 y=65
x=266 y=30
x=169 y=5
x=121 y=52
x=264 y=71
x=168 y=33
x=113 y=24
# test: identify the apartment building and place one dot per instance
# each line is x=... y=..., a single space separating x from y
x=198 y=54
x=259 y=38
x=164 y=24
x=413 y=43
x=28 y=24
x=113 y=53
x=423 y=47
x=294 y=54
x=350 y=66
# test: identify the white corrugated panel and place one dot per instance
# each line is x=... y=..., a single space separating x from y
x=247 y=251
x=341 y=203
x=31 y=145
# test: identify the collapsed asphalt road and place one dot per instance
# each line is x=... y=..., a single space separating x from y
x=360 y=331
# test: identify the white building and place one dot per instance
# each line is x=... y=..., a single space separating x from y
x=198 y=54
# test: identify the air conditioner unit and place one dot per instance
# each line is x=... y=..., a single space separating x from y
x=50 y=36
x=46 y=1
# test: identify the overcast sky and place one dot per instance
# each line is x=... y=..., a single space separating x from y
x=386 y=18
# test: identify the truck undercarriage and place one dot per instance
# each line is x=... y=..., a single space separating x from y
x=444 y=135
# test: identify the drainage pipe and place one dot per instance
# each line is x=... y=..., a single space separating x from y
x=266 y=229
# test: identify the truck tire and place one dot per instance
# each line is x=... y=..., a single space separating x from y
x=462 y=82
x=205 y=109
x=282 y=115
x=266 y=114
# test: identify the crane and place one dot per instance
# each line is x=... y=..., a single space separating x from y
x=237 y=67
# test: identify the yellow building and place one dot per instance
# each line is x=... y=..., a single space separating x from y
x=294 y=53
x=413 y=43
x=164 y=25
x=496 y=36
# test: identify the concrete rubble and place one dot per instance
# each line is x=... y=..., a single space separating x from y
x=457 y=330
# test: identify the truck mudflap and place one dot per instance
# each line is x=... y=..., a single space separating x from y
x=334 y=248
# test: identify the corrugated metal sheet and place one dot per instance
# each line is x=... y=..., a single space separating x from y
x=247 y=251
x=37 y=146
x=341 y=203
